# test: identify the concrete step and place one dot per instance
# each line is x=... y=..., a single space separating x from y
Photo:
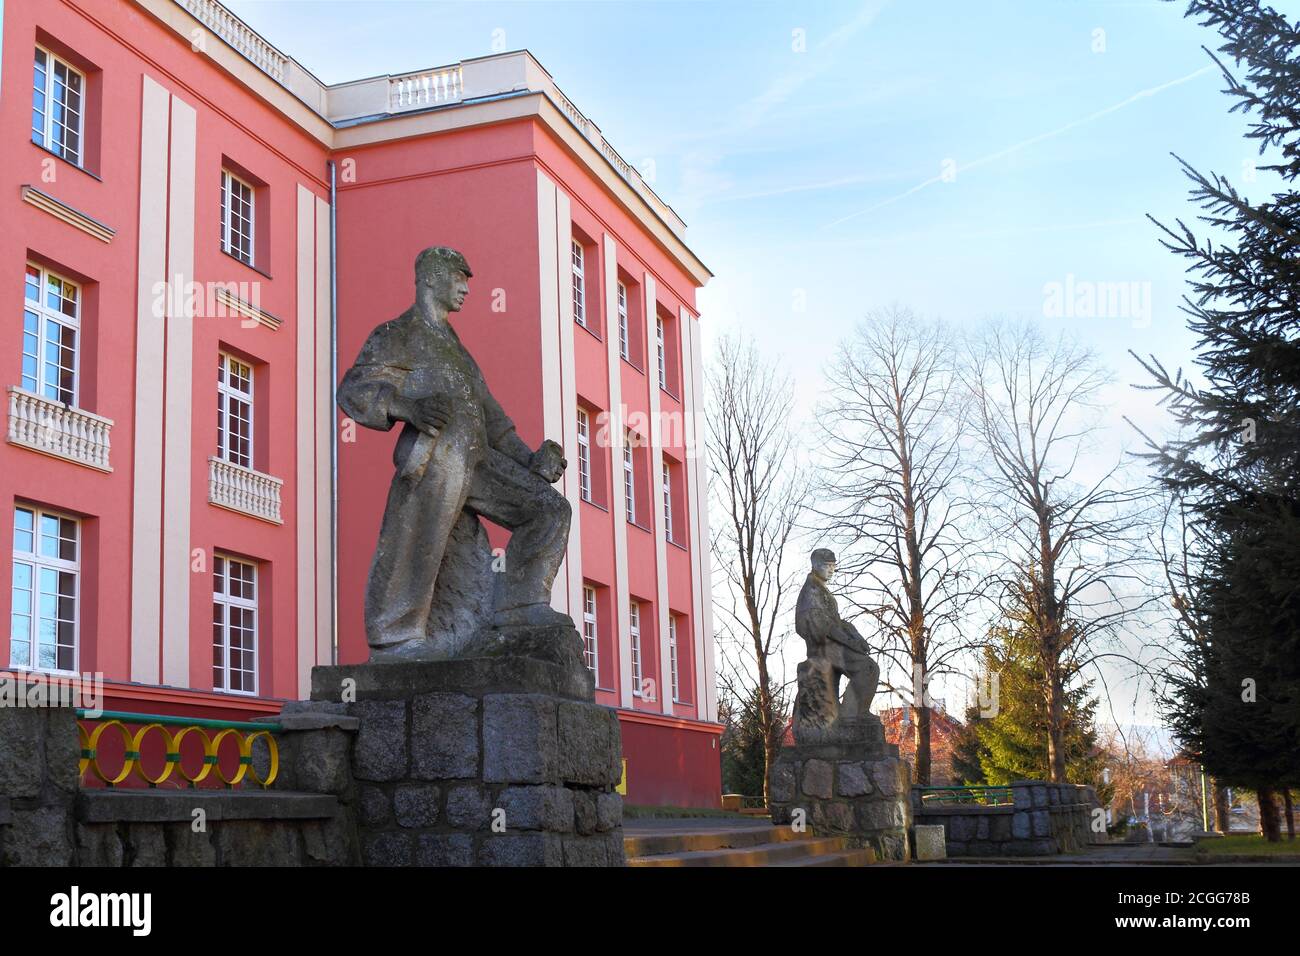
x=688 y=841
x=863 y=857
x=761 y=854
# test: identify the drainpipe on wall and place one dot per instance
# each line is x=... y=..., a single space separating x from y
x=334 y=431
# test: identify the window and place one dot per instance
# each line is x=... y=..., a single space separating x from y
x=234 y=625
x=629 y=476
x=589 y=628
x=584 y=455
x=668 y=501
x=622 y=322
x=672 y=657
x=58 y=98
x=234 y=411
x=43 y=619
x=579 y=292
x=659 y=344
x=236 y=217
x=51 y=328
x=634 y=617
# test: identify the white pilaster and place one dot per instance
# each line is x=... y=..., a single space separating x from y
x=305 y=416
x=613 y=432
x=654 y=461
x=702 y=590
x=146 y=491
x=326 y=421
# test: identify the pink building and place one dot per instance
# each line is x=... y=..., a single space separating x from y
x=167 y=478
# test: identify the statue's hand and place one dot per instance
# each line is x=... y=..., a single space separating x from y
x=548 y=461
x=429 y=415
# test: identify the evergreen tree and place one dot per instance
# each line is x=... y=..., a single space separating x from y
x=1013 y=744
x=1236 y=701
x=742 y=744
x=966 y=767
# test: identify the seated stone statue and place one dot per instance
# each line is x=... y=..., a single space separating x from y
x=835 y=650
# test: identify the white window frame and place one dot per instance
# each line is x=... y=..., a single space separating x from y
x=44 y=314
x=590 y=645
x=229 y=182
x=634 y=630
x=668 y=498
x=622 y=324
x=577 y=256
x=584 y=455
x=629 y=476
x=45 y=135
x=225 y=600
x=673 y=667
x=663 y=361
x=37 y=562
x=226 y=395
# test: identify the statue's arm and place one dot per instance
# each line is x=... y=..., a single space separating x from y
x=501 y=431
x=368 y=393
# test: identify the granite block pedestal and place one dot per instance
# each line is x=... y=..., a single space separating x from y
x=484 y=761
x=849 y=783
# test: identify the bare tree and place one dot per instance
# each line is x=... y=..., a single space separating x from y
x=759 y=494
x=891 y=440
x=1071 y=543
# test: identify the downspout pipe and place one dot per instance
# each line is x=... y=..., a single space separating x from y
x=334 y=430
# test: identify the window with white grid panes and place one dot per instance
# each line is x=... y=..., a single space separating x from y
x=58 y=107
x=622 y=322
x=51 y=335
x=43 y=616
x=634 y=622
x=629 y=476
x=584 y=455
x=579 y=285
x=234 y=411
x=234 y=625
x=659 y=344
x=668 y=501
x=589 y=649
x=237 y=210
x=674 y=672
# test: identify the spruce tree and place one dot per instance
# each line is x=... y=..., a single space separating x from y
x=1236 y=463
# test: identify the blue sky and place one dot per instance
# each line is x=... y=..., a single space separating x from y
x=806 y=147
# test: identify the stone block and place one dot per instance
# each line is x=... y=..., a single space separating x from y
x=257 y=843
x=963 y=827
x=1021 y=796
x=321 y=760
x=521 y=849
x=1020 y=825
x=445 y=849
x=520 y=739
x=1039 y=794
x=416 y=805
x=538 y=808
x=783 y=782
x=585 y=850
x=98 y=845
x=584 y=811
x=890 y=776
x=982 y=827
x=22 y=752
x=62 y=749
x=187 y=848
x=330 y=842
x=145 y=845
x=38 y=837
x=817 y=779
x=376 y=810
x=1041 y=823
x=609 y=811
x=832 y=817
x=1000 y=827
x=853 y=780
x=444 y=737
x=930 y=842
x=469 y=807
x=388 y=848
x=380 y=752
x=590 y=744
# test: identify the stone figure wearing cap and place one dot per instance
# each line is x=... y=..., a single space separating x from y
x=458 y=452
x=835 y=650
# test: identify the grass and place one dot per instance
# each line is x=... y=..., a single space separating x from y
x=1248 y=844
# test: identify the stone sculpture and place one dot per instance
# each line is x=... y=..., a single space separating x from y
x=432 y=591
x=835 y=650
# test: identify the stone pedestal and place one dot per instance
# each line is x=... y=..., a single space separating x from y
x=849 y=783
x=480 y=762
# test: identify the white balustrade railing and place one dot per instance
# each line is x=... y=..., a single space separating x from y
x=45 y=425
x=244 y=490
x=443 y=84
x=239 y=35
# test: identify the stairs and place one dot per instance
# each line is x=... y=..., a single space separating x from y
x=698 y=844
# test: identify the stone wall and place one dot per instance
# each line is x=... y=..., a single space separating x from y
x=1043 y=819
x=38 y=786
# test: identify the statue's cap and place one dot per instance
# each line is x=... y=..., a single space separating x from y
x=822 y=555
x=441 y=257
